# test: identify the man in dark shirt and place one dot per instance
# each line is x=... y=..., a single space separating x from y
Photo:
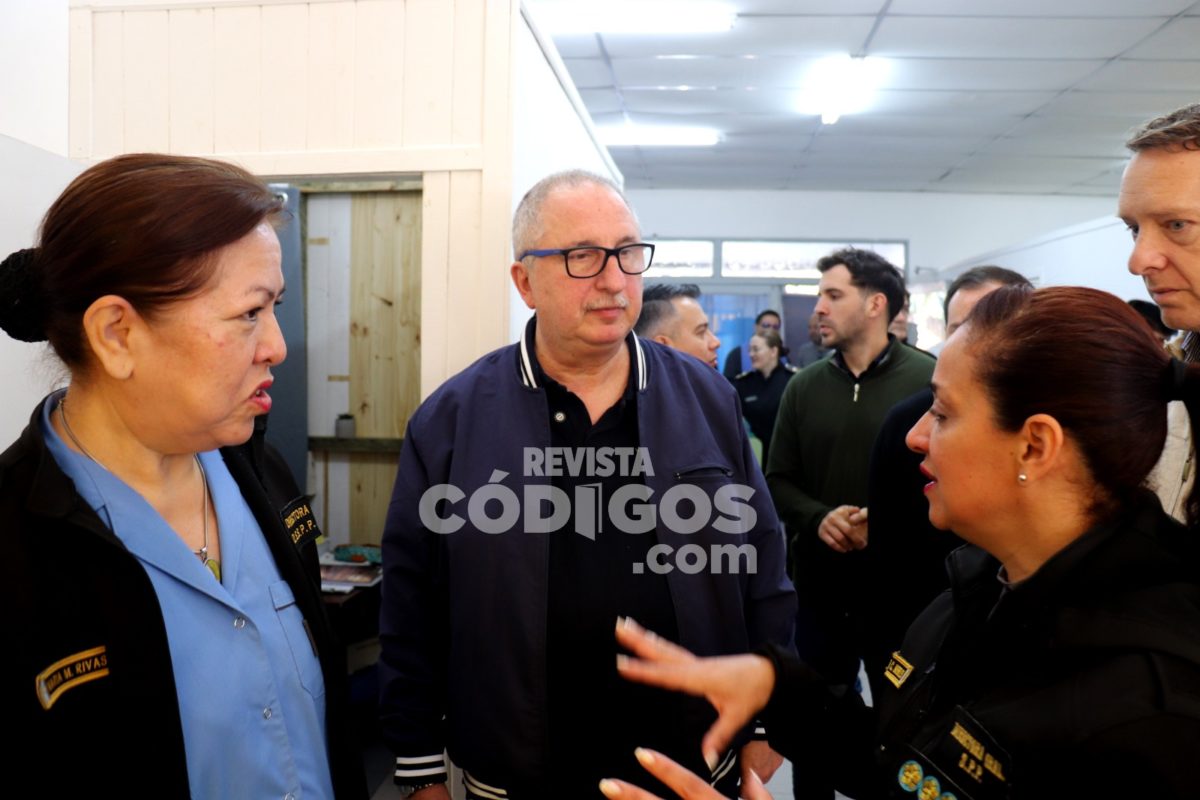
x=533 y=507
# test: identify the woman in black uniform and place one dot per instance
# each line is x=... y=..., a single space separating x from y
x=761 y=387
x=1065 y=659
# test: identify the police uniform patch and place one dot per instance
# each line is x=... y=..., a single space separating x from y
x=910 y=776
x=972 y=757
x=298 y=519
x=67 y=673
x=898 y=670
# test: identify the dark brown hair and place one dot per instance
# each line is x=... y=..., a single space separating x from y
x=144 y=227
x=871 y=271
x=1178 y=130
x=1087 y=359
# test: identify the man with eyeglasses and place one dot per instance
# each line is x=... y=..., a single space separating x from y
x=578 y=476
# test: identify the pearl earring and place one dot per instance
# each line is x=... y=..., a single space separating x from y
x=1022 y=477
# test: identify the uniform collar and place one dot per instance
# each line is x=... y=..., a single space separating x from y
x=534 y=378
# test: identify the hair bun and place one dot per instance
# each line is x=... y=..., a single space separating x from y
x=22 y=301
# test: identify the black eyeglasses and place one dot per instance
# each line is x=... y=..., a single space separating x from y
x=587 y=262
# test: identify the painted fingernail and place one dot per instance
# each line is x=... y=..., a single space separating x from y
x=757 y=779
x=610 y=788
x=622 y=661
x=644 y=756
x=710 y=758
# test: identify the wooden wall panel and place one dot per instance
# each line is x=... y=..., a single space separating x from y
x=108 y=111
x=385 y=353
x=237 y=78
x=379 y=73
x=385 y=291
x=190 y=105
x=429 y=67
x=331 y=45
x=467 y=112
x=145 y=74
x=284 y=106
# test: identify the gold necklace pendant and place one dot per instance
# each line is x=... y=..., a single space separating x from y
x=214 y=567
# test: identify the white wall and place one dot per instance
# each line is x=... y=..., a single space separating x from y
x=1093 y=254
x=33 y=178
x=551 y=131
x=942 y=229
x=33 y=63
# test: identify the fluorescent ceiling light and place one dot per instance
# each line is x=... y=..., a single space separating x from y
x=657 y=17
x=806 y=289
x=840 y=85
x=629 y=135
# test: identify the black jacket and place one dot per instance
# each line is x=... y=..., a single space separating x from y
x=1083 y=681
x=77 y=601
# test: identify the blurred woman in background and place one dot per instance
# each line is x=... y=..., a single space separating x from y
x=761 y=387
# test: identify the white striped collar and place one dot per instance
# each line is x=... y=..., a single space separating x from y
x=529 y=374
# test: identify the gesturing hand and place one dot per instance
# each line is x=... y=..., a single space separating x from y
x=688 y=785
x=737 y=686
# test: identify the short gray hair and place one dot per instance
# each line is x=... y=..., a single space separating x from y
x=527 y=219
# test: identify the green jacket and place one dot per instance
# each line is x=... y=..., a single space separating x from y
x=826 y=428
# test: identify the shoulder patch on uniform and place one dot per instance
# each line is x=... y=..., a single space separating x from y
x=298 y=519
x=74 y=670
x=898 y=670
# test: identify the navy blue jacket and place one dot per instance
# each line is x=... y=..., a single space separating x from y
x=463 y=621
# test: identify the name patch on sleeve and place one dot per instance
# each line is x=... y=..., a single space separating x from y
x=898 y=670
x=299 y=521
x=72 y=671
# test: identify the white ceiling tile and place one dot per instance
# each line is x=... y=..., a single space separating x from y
x=1137 y=76
x=732 y=71
x=967 y=37
x=1008 y=96
x=752 y=35
x=583 y=45
x=588 y=73
x=1179 y=40
x=832 y=140
x=1089 y=145
x=1041 y=8
x=600 y=101
x=923 y=125
x=704 y=101
x=966 y=74
x=808 y=7
x=938 y=102
x=1135 y=105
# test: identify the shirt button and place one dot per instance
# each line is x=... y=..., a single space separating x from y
x=559 y=416
x=267 y=713
x=239 y=622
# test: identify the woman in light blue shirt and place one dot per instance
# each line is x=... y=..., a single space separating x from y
x=175 y=643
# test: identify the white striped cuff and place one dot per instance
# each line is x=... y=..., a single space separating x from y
x=477 y=788
x=419 y=769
